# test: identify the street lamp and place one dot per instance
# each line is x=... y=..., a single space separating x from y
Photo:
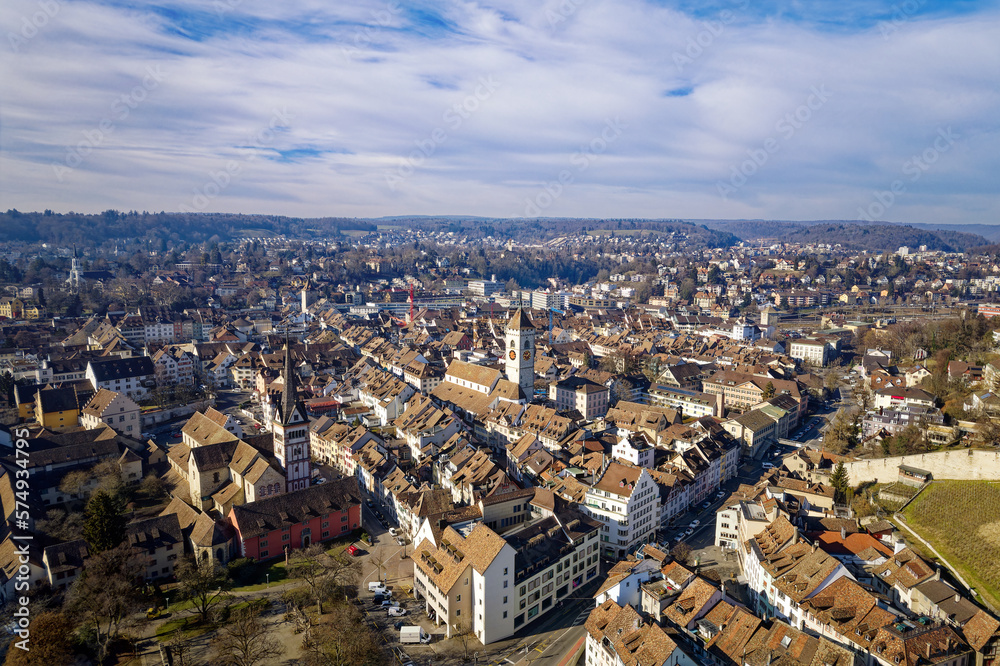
x=267 y=577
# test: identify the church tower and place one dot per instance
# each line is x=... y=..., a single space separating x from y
x=291 y=431
x=74 y=272
x=519 y=358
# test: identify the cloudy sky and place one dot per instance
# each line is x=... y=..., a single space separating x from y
x=796 y=110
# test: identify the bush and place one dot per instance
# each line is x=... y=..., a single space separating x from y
x=243 y=571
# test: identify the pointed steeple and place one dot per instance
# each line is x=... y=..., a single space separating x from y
x=520 y=321
x=289 y=392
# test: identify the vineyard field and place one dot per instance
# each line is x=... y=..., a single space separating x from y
x=961 y=519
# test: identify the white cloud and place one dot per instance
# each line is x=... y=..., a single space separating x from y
x=367 y=85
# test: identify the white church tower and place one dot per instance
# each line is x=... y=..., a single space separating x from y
x=291 y=431
x=74 y=273
x=519 y=360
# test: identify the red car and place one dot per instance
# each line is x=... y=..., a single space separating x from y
x=353 y=550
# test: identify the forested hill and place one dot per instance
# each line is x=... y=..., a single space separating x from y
x=85 y=230
x=88 y=230
x=157 y=228
x=884 y=237
x=854 y=235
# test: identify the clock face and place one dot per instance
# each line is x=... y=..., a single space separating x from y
x=527 y=356
x=513 y=354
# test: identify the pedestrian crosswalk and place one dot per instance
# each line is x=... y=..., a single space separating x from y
x=583 y=615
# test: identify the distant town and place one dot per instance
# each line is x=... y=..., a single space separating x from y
x=254 y=441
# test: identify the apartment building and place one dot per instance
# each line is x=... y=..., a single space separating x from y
x=619 y=636
x=690 y=403
x=585 y=396
x=626 y=501
x=385 y=395
x=495 y=584
x=813 y=352
x=133 y=376
x=115 y=409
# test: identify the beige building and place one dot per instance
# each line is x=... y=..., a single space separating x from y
x=116 y=410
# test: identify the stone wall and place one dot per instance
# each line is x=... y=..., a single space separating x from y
x=966 y=464
x=159 y=416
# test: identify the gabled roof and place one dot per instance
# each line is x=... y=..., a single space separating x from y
x=272 y=513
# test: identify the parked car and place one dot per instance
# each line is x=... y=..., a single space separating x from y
x=377 y=586
x=720 y=494
x=353 y=550
x=706 y=505
x=396 y=611
x=389 y=603
x=694 y=523
x=689 y=531
x=393 y=531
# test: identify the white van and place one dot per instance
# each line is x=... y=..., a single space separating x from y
x=413 y=634
x=377 y=586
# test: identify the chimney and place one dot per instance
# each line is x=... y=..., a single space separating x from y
x=927 y=650
x=898 y=546
x=843 y=532
x=795 y=536
x=958 y=597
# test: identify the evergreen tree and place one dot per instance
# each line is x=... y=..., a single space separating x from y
x=768 y=391
x=840 y=482
x=104 y=527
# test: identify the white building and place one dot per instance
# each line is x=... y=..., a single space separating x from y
x=115 y=409
x=633 y=449
x=626 y=500
x=813 y=352
x=495 y=584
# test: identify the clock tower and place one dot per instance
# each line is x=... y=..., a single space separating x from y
x=519 y=356
x=291 y=431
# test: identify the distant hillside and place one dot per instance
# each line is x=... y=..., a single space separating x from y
x=990 y=232
x=884 y=237
x=857 y=235
x=89 y=230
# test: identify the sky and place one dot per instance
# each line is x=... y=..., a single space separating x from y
x=846 y=109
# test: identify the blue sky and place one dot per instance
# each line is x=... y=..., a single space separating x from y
x=744 y=109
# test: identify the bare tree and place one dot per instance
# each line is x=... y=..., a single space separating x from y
x=463 y=632
x=204 y=582
x=105 y=594
x=378 y=559
x=245 y=640
x=681 y=552
x=323 y=573
x=343 y=640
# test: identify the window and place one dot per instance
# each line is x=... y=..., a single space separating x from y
x=505 y=615
x=505 y=583
x=458 y=612
x=505 y=599
x=458 y=598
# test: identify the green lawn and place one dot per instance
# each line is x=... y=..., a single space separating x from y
x=961 y=519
